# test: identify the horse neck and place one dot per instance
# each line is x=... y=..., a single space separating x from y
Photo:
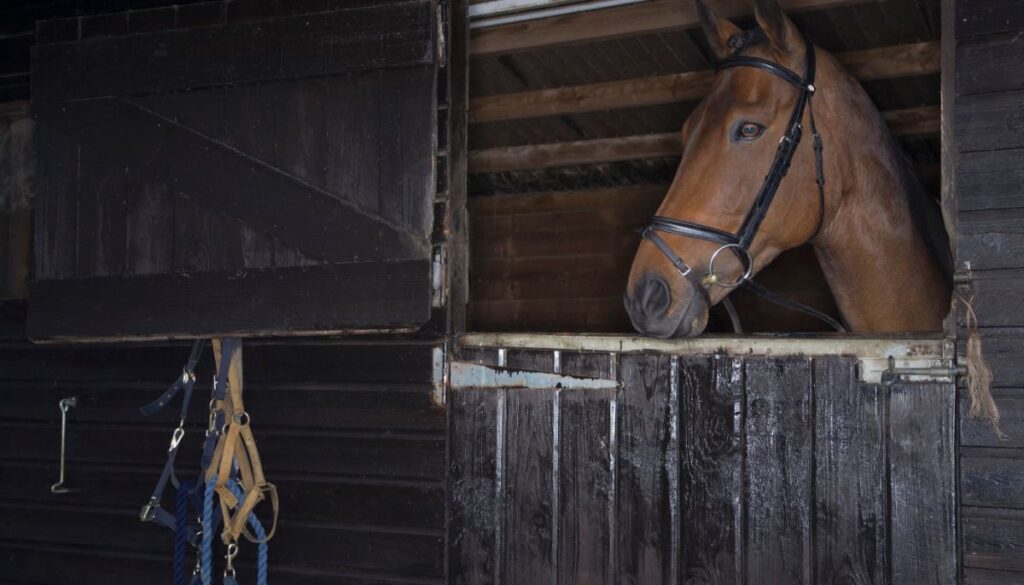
x=879 y=267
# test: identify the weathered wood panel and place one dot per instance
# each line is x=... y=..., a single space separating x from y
x=779 y=451
x=981 y=17
x=280 y=155
x=529 y=500
x=990 y=63
x=359 y=38
x=922 y=434
x=647 y=528
x=852 y=500
x=707 y=469
x=307 y=298
x=586 y=485
x=992 y=240
x=989 y=121
x=475 y=478
x=711 y=397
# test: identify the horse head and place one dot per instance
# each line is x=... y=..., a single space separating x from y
x=730 y=142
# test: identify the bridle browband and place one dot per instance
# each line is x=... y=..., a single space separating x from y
x=739 y=243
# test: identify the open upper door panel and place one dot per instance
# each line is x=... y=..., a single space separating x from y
x=224 y=172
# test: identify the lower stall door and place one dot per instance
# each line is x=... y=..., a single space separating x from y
x=710 y=469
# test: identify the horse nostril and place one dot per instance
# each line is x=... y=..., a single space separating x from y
x=654 y=296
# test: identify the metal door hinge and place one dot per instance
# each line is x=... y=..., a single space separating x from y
x=469 y=375
x=442 y=42
x=438 y=280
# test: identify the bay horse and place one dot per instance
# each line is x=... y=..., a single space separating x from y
x=848 y=192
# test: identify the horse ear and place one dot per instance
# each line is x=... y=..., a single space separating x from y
x=778 y=28
x=717 y=29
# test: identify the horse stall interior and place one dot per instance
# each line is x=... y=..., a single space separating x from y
x=397 y=204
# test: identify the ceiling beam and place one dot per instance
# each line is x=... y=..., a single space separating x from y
x=923 y=120
x=882 y=63
x=634 y=19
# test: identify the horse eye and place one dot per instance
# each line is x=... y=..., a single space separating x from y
x=750 y=131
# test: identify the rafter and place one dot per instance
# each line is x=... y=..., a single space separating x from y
x=922 y=120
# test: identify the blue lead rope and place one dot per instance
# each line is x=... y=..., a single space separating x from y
x=206 y=549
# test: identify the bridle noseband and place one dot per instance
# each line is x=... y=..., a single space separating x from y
x=739 y=243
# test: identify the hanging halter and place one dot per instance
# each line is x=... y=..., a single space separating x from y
x=231 y=473
x=739 y=243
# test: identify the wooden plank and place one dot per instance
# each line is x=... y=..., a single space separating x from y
x=999 y=297
x=913 y=121
x=528 y=555
x=645 y=523
x=851 y=504
x=279 y=362
x=779 y=472
x=315 y=222
x=532 y=203
x=922 y=476
x=1001 y=348
x=475 y=518
x=259 y=302
x=909 y=121
x=410 y=555
x=987 y=577
x=993 y=539
x=989 y=121
x=992 y=239
x=335 y=42
x=976 y=432
x=872 y=64
x=711 y=410
x=991 y=16
x=56 y=207
x=605 y=314
x=635 y=19
x=992 y=478
x=990 y=180
x=585 y=486
x=990 y=63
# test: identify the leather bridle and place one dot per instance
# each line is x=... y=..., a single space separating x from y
x=739 y=243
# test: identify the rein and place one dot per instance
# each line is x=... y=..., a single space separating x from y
x=739 y=243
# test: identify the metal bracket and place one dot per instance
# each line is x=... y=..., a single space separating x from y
x=64 y=405
x=463 y=374
x=893 y=375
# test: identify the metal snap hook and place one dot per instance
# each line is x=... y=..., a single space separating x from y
x=179 y=434
x=712 y=278
x=229 y=569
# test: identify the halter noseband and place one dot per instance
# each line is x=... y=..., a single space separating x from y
x=739 y=243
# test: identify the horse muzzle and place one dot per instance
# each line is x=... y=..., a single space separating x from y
x=654 y=312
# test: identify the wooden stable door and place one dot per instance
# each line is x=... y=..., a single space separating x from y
x=234 y=171
x=699 y=469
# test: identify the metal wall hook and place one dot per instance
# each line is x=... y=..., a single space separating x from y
x=64 y=405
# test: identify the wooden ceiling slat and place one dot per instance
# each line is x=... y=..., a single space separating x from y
x=872 y=64
x=910 y=121
x=647 y=17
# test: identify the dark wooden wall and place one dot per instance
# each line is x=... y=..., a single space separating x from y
x=348 y=431
x=702 y=470
x=989 y=193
